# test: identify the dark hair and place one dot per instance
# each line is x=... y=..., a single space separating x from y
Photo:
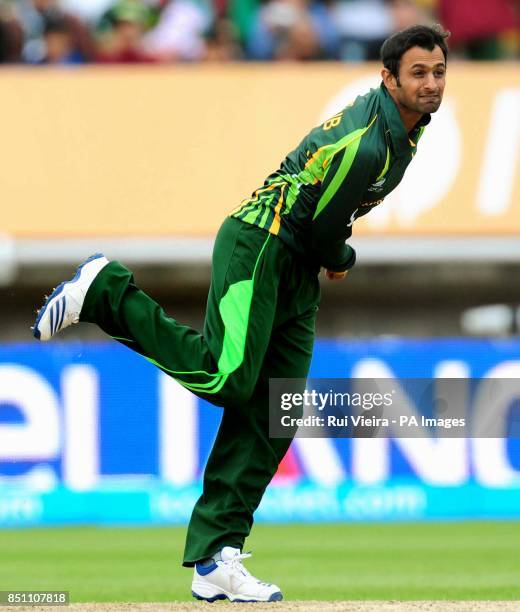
x=4 y=42
x=56 y=22
x=422 y=36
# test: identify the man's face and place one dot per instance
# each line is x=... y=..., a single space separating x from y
x=422 y=77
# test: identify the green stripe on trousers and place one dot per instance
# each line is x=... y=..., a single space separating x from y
x=259 y=324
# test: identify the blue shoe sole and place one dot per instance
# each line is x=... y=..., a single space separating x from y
x=58 y=290
x=274 y=597
x=208 y=599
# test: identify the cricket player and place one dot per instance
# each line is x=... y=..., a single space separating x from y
x=264 y=296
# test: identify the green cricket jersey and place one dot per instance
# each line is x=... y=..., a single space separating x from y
x=338 y=173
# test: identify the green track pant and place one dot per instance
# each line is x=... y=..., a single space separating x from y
x=259 y=324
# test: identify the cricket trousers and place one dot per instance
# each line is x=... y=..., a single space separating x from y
x=259 y=324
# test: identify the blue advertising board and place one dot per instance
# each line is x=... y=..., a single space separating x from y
x=92 y=433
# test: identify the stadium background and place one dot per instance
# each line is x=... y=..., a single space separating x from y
x=142 y=163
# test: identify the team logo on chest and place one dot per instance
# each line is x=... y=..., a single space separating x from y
x=377 y=186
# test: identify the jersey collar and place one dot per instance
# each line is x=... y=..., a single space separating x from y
x=401 y=141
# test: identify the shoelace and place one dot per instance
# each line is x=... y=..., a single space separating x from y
x=236 y=564
x=237 y=568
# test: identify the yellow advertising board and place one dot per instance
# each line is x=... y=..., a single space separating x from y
x=169 y=151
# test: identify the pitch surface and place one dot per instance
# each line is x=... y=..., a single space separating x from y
x=426 y=561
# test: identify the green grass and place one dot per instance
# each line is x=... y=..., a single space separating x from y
x=477 y=560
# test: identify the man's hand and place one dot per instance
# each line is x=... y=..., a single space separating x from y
x=335 y=275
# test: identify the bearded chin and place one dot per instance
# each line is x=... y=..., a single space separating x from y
x=430 y=109
x=412 y=107
x=417 y=107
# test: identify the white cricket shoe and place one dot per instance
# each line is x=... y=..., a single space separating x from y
x=227 y=578
x=63 y=306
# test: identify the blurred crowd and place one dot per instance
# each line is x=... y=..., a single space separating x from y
x=155 y=31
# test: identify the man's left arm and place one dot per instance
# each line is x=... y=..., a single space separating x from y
x=348 y=176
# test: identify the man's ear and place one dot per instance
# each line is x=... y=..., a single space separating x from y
x=389 y=79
